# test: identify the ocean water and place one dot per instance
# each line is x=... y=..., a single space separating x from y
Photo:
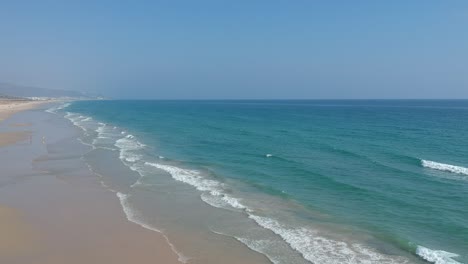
x=359 y=181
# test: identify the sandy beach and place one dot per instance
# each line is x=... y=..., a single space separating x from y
x=58 y=212
x=16 y=234
x=8 y=108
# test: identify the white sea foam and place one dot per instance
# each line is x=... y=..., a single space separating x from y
x=65 y=105
x=54 y=109
x=105 y=136
x=318 y=249
x=307 y=242
x=86 y=144
x=130 y=156
x=100 y=176
x=111 y=149
x=134 y=217
x=214 y=193
x=269 y=155
x=444 y=167
x=262 y=246
x=100 y=129
x=51 y=110
x=128 y=147
x=213 y=200
x=436 y=256
x=234 y=202
x=137 y=183
x=76 y=120
x=133 y=158
x=191 y=177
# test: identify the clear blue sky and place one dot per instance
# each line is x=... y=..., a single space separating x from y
x=238 y=49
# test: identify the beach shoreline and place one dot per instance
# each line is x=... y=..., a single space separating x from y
x=82 y=187
x=57 y=212
x=9 y=108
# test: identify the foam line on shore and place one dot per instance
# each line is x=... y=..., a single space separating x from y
x=127 y=146
x=132 y=216
x=318 y=249
x=213 y=188
x=55 y=109
x=308 y=243
x=259 y=246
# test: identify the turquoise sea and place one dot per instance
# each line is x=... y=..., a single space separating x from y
x=301 y=181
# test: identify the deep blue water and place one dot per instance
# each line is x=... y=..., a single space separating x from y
x=396 y=171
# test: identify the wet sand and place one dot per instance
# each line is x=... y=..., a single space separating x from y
x=16 y=234
x=53 y=210
x=8 y=138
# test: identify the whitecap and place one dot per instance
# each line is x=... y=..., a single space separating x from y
x=444 y=167
x=191 y=177
x=436 y=256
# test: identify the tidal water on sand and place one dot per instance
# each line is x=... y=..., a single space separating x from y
x=358 y=181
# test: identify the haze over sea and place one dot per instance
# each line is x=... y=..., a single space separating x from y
x=304 y=181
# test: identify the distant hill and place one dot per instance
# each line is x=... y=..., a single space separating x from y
x=13 y=90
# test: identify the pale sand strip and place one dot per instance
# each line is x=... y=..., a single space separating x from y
x=9 y=107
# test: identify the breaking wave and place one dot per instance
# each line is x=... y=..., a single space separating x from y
x=462 y=172
x=55 y=109
x=436 y=256
x=312 y=246
x=444 y=167
x=318 y=249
